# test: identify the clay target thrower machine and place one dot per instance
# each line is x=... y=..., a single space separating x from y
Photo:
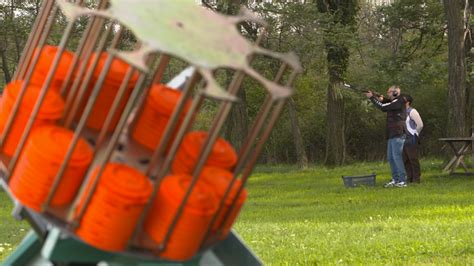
x=108 y=158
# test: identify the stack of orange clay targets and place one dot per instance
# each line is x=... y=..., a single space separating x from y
x=108 y=91
x=51 y=111
x=112 y=214
x=39 y=163
x=156 y=113
x=115 y=207
x=44 y=63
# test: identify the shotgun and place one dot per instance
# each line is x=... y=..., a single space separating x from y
x=360 y=89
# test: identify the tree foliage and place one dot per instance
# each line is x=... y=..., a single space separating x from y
x=405 y=43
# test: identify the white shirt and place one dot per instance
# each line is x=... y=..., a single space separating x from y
x=415 y=117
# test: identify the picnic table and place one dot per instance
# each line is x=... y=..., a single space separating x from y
x=459 y=153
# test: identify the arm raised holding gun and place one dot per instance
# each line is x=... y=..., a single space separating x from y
x=394 y=107
x=363 y=90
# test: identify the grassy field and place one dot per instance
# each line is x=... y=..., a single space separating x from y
x=307 y=218
x=296 y=217
x=11 y=231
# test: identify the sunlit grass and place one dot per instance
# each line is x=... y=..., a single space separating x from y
x=307 y=217
x=11 y=231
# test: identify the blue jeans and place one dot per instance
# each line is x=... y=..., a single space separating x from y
x=395 y=158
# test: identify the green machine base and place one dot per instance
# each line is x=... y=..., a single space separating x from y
x=59 y=249
x=46 y=244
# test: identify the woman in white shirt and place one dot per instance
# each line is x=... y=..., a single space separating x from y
x=411 y=149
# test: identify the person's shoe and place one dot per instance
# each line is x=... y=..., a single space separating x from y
x=401 y=184
x=389 y=184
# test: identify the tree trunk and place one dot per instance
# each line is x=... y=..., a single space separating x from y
x=469 y=48
x=335 y=140
x=343 y=14
x=458 y=95
x=301 y=157
x=15 y=33
x=5 y=69
x=236 y=127
x=337 y=57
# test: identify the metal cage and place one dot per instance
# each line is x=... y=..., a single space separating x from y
x=156 y=32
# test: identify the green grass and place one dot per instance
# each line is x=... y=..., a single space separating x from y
x=307 y=217
x=11 y=231
x=295 y=217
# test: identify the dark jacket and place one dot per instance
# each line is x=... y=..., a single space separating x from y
x=396 y=115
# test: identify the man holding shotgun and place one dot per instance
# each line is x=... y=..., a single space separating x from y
x=394 y=106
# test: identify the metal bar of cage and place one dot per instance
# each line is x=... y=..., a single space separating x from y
x=85 y=47
x=78 y=130
x=164 y=61
x=74 y=100
x=266 y=133
x=86 y=112
x=90 y=39
x=203 y=155
x=42 y=95
x=160 y=149
x=244 y=152
x=257 y=125
x=73 y=218
x=196 y=104
x=83 y=119
x=171 y=125
x=202 y=158
x=33 y=38
x=30 y=67
x=114 y=107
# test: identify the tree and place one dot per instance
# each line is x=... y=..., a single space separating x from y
x=4 y=58
x=459 y=45
x=340 y=17
x=16 y=18
x=301 y=157
x=236 y=126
